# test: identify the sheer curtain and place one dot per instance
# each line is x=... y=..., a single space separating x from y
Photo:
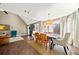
x=62 y=26
x=67 y=25
x=70 y=24
x=74 y=39
x=76 y=29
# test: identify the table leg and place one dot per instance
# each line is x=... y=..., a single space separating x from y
x=51 y=44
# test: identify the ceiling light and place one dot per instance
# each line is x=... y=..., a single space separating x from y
x=49 y=21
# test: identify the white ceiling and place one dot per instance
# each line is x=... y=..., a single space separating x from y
x=39 y=11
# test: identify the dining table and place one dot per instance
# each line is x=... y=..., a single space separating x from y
x=52 y=37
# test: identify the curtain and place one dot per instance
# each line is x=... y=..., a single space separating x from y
x=70 y=24
x=74 y=38
x=76 y=29
x=63 y=26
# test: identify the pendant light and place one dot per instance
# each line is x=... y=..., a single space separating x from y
x=49 y=21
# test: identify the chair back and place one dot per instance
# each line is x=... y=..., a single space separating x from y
x=66 y=38
x=43 y=37
x=37 y=36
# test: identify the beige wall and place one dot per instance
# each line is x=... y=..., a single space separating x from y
x=14 y=21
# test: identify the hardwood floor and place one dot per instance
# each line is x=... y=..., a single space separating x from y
x=18 y=48
x=46 y=51
x=58 y=50
x=29 y=47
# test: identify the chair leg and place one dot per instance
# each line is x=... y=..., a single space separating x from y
x=53 y=45
x=65 y=50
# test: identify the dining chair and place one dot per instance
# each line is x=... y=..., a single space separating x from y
x=44 y=39
x=36 y=36
x=62 y=42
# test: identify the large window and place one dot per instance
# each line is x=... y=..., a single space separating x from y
x=37 y=27
x=53 y=28
x=56 y=27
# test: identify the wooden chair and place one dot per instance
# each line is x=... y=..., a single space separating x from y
x=37 y=36
x=44 y=39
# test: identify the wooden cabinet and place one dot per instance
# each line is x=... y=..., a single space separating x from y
x=4 y=39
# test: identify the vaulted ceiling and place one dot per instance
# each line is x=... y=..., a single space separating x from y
x=33 y=12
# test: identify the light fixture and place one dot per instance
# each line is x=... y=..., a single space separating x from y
x=49 y=21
